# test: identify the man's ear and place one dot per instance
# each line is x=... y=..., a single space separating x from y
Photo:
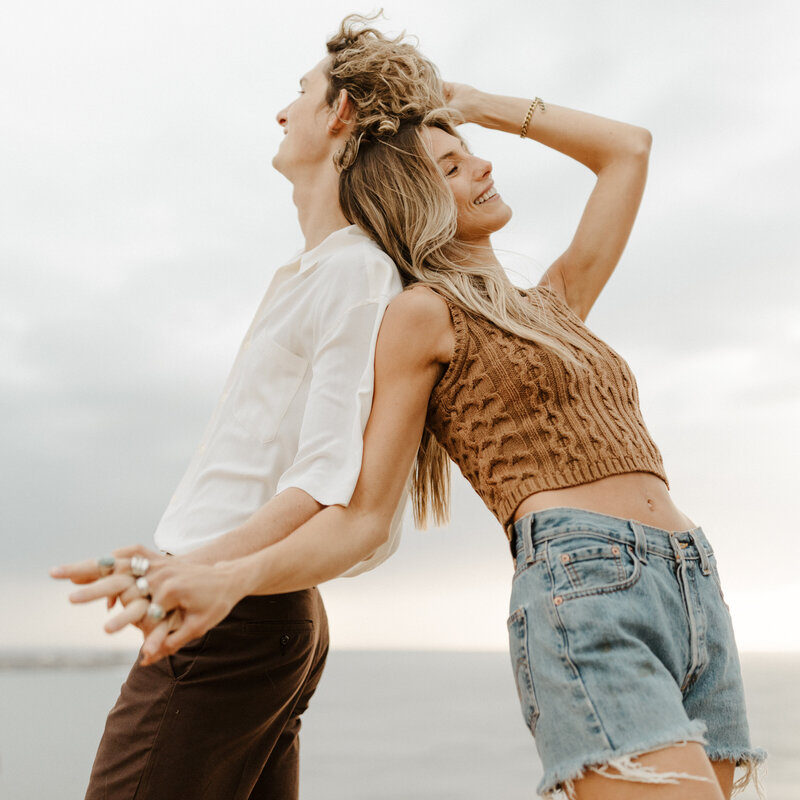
x=342 y=115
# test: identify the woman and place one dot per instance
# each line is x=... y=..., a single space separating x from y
x=620 y=639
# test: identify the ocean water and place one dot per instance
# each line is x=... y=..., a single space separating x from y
x=382 y=726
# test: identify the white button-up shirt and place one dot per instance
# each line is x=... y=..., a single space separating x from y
x=295 y=405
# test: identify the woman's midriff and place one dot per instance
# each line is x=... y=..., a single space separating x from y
x=635 y=495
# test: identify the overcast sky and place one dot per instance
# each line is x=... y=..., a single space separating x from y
x=141 y=221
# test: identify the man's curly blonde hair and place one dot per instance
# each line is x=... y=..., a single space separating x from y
x=389 y=82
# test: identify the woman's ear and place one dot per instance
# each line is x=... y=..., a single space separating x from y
x=342 y=115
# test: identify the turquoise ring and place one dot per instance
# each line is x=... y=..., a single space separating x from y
x=106 y=565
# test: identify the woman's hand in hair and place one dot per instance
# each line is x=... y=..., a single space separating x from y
x=463 y=98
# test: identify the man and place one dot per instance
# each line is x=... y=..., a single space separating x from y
x=220 y=718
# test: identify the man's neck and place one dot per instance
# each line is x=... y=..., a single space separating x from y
x=318 y=209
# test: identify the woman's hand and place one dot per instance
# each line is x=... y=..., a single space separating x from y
x=463 y=98
x=195 y=598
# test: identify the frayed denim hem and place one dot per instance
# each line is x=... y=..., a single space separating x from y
x=751 y=761
x=559 y=783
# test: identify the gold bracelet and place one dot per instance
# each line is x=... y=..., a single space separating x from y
x=537 y=101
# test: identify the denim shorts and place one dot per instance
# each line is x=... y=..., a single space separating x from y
x=621 y=643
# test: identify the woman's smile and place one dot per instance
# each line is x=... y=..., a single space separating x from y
x=490 y=194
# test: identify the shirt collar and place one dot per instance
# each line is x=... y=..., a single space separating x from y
x=332 y=242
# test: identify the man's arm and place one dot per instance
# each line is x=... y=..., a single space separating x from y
x=328 y=459
x=407 y=367
x=408 y=364
x=276 y=519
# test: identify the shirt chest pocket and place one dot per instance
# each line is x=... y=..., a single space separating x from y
x=269 y=378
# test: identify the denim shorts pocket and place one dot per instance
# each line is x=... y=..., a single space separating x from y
x=583 y=565
x=518 y=645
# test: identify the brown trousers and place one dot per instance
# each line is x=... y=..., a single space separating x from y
x=220 y=719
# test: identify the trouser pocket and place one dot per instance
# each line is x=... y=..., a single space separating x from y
x=181 y=662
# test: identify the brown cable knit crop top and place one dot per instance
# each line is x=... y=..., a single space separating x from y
x=517 y=419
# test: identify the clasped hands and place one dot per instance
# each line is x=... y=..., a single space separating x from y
x=171 y=600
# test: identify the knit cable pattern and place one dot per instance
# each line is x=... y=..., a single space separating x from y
x=517 y=419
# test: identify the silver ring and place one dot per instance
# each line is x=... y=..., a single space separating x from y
x=143 y=586
x=155 y=612
x=139 y=566
x=106 y=565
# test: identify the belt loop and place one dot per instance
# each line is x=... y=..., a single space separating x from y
x=511 y=535
x=641 y=541
x=705 y=565
x=527 y=537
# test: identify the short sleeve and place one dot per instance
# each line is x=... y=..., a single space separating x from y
x=330 y=447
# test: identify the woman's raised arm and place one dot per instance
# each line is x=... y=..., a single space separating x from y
x=616 y=152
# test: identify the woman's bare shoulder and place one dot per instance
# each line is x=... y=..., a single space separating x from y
x=421 y=302
x=421 y=317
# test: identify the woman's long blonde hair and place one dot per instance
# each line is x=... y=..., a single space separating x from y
x=395 y=192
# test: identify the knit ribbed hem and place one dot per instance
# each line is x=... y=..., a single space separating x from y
x=581 y=474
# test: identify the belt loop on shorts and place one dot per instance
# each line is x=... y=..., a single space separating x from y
x=641 y=541
x=705 y=565
x=527 y=537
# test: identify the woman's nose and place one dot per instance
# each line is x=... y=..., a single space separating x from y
x=281 y=117
x=482 y=167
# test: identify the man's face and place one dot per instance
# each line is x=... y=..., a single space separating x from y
x=307 y=142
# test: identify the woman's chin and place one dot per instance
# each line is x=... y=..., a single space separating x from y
x=480 y=229
x=499 y=220
x=500 y=217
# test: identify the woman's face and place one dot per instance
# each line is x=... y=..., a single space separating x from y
x=481 y=210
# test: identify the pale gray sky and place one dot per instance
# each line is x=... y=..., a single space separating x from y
x=140 y=222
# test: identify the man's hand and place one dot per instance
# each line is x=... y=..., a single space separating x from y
x=115 y=581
